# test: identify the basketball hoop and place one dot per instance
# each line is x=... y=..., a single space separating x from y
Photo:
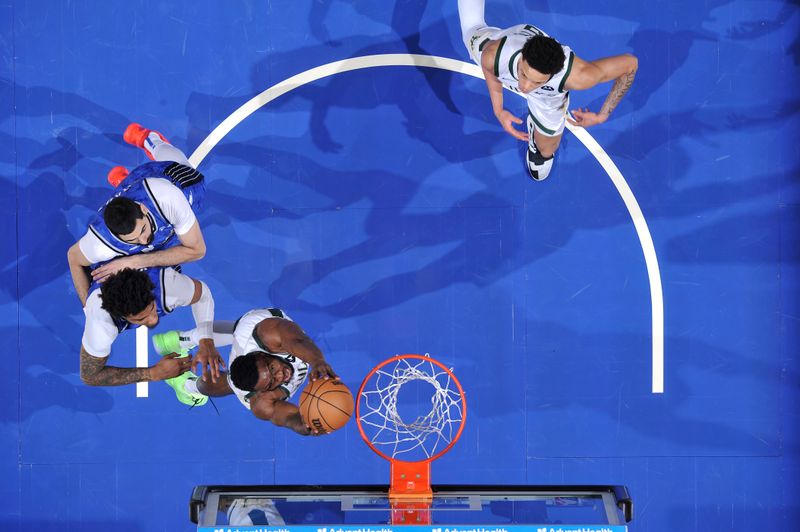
x=410 y=445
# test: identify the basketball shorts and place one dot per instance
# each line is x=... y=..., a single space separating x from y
x=548 y=115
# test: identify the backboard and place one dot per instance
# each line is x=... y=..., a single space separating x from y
x=452 y=509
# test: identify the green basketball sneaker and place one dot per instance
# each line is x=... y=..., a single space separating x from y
x=168 y=342
x=185 y=397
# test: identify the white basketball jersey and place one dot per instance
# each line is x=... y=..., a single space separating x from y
x=245 y=340
x=509 y=53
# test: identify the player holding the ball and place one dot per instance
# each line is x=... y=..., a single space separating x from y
x=270 y=358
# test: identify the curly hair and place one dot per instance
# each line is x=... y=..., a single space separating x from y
x=244 y=371
x=121 y=214
x=544 y=54
x=127 y=292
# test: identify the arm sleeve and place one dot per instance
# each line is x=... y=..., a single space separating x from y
x=94 y=249
x=173 y=203
x=99 y=331
x=203 y=312
x=179 y=291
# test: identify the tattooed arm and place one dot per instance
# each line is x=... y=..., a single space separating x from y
x=94 y=371
x=585 y=75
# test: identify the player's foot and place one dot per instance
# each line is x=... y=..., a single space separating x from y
x=184 y=396
x=168 y=342
x=117 y=175
x=538 y=166
x=139 y=136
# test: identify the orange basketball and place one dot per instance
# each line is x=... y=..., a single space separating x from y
x=326 y=405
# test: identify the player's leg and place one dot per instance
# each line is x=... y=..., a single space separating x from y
x=474 y=31
x=182 y=174
x=193 y=391
x=188 y=388
x=545 y=129
x=547 y=145
x=154 y=144
x=163 y=151
x=470 y=14
x=180 y=341
x=541 y=150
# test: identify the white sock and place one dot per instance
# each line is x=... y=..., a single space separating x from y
x=190 y=385
x=186 y=340
x=152 y=142
x=223 y=335
x=164 y=151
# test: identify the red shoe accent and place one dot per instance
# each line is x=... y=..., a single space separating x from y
x=135 y=134
x=117 y=175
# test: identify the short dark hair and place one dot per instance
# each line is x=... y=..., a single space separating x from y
x=544 y=54
x=126 y=292
x=244 y=371
x=120 y=215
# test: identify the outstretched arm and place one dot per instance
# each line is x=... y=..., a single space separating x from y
x=207 y=359
x=192 y=247
x=94 y=371
x=586 y=74
x=288 y=415
x=286 y=336
x=506 y=119
x=269 y=407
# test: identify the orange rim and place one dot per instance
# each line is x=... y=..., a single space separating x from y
x=426 y=359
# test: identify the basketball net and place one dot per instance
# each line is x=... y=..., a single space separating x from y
x=410 y=445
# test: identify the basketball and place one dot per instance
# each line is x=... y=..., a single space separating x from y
x=326 y=405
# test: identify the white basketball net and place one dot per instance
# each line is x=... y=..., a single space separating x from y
x=424 y=436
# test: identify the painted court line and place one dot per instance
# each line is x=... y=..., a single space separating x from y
x=461 y=67
x=142 y=345
x=648 y=249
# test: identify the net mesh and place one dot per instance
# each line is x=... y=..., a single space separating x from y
x=425 y=435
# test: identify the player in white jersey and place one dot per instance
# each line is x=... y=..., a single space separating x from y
x=524 y=59
x=271 y=356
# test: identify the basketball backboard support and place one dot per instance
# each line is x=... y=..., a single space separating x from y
x=452 y=509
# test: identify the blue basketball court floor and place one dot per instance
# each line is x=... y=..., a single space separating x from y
x=379 y=203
